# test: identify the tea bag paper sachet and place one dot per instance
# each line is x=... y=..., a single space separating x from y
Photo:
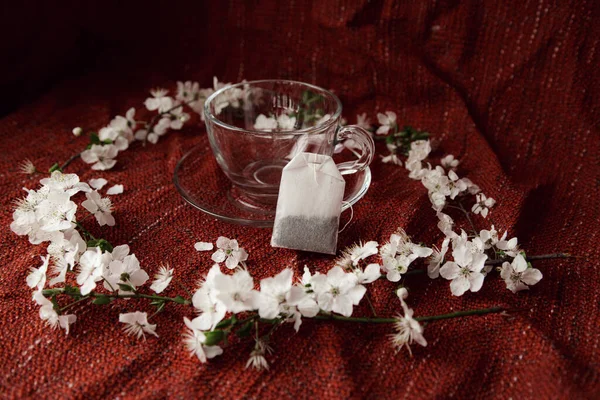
x=309 y=204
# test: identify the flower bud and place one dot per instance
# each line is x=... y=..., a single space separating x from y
x=77 y=131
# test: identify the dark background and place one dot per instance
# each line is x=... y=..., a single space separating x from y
x=509 y=87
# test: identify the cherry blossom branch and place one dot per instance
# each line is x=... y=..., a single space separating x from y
x=462 y=208
x=69 y=161
x=457 y=314
x=371 y=304
x=84 y=231
x=533 y=258
x=149 y=125
x=97 y=295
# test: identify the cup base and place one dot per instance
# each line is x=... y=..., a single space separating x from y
x=254 y=203
x=202 y=184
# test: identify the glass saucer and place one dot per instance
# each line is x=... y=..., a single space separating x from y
x=201 y=183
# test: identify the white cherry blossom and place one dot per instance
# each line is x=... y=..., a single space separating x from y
x=449 y=162
x=391 y=158
x=162 y=279
x=195 y=340
x=387 y=122
x=482 y=205
x=465 y=271
x=159 y=100
x=68 y=183
x=125 y=126
x=338 y=291
x=436 y=259
x=286 y=123
x=445 y=224
x=37 y=276
x=211 y=309
x=230 y=252
x=136 y=324
x=362 y=251
x=176 y=118
x=102 y=157
x=100 y=207
x=273 y=293
x=265 y=124
x=489 y=237
x=509 y=247
x=48 y=314
x=237 y=291
x=92 y=265
x=127 y=272
x=408 y=331
x=56 y=212
x=518 y=275
x=363 y=121
x=370 y=274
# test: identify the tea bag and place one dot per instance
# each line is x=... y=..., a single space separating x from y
x=309 y=204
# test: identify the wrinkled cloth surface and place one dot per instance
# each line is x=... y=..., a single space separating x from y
x=510 y=88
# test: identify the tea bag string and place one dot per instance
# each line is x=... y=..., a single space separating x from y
x=351 y=216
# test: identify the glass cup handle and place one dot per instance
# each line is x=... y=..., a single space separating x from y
x=363 y=142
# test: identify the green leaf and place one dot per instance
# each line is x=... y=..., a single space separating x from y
x=244 y=331
x=179 y=300
x=55 y=304
x=102 y=300
x=227 y=322
x=107 y=141
x=103 y=244
x=94 y=139
x=72 y=290
x=55 y=167
x=213 y=337
x=125 y=287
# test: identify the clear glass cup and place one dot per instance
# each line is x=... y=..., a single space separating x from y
x=255 y=128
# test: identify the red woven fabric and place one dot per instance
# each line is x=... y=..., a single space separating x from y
x=510 y=88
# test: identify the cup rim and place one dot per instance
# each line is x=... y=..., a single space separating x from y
x=208 y=115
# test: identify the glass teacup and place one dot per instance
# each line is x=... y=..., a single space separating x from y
x=255 y=128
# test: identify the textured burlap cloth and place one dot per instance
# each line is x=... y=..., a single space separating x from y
x=510 y=88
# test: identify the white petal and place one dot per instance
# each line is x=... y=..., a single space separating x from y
x=212 y=351
x=219 y=256
x=449 y=270
x=356 y=294
x=531 y=276
x=325 y=301
x=231 y=262
x=203 y=246
x=371 y=273
x=116 y=189
x=342 y=305
x=459 y=286
x=98 y=183
x=90 y=205
x=223 y=242
x=519 y=264
x=476 y=281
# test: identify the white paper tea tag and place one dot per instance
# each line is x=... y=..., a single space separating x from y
x=309 y=204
